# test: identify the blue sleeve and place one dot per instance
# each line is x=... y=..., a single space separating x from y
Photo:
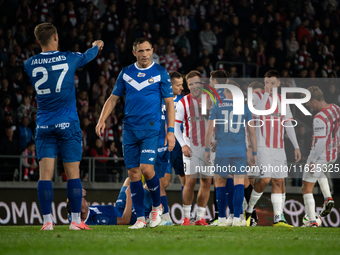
x=166 y=88
x=119 y=88
x=248 y=114
x=82 y=59
x=213 y=112
x=102 y=219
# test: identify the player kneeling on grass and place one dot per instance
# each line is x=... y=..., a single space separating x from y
x=324 y=152
x=231 y=152
x=122 y=213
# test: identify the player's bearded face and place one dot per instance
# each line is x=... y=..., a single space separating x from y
x=143 y=53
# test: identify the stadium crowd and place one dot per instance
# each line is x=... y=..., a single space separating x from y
x=296 y=38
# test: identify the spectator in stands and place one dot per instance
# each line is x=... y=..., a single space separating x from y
x=208 y=38
x=181 y=40
x=25 y=109
x=8 y=146
x=7 y=122
x=6 y=106
x=170 y=60
x=292 y=45
x=114 y=167
x=25 y=133
x=99 y=88
x=28 y=161
x=98 y=151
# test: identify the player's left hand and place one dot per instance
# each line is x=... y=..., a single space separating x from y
x=170 y=140
x=213 y=146
x=207 y=156
x=297 y=154
x=254 y=160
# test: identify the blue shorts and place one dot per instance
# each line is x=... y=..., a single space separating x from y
x=162 y=160
x=230 y=165
x=176 y=160
x=63 y=139
x=140 y=147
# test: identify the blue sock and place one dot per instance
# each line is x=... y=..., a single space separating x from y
x=75 y=194
x=182 y=193
x=154 y=188
x=221 y=200
x=137 y=195
x=164 y=202
x=230 y=194
x=45 y=196
x=238 y=199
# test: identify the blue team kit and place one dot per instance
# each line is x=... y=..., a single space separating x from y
x=52 y=75
x=231 y=138
x=144 y=88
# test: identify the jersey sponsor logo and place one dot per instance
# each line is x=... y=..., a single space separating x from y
x=151 y=80
x=95 y=209
x=141 y=74
x=63 y=125
x=43 y=127
x=154 y=189
x=133 y=194
x=148 y=151
x=318 y=129
x=162 y=149
x=194 y=118
x=151 y=159
x=42 y=61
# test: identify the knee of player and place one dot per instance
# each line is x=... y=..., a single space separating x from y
x=206 y=183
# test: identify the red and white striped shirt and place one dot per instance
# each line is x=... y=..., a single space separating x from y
x=326 y=124
x=271 y=132
x=194 y=124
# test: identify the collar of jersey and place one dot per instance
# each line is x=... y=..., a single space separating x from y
x=49 y=52
x=175 y=97
x=144 y=68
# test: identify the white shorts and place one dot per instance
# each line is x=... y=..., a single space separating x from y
x=272 y=163
x=196 y=163
x=321 y=166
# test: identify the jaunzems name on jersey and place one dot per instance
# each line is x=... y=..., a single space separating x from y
x=42 y=61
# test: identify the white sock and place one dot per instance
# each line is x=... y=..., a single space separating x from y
x=186 y=211
x=310 y=206
x=277 y=206
x=245 y=205
x=242 y=216
x=141 y=218
x=223 y=219
x=324 y=186
x=76 y=218
x=47 y=218
x=231 y=216
x=200 y=213
x=236 y=219
x=283 y=201
x=255 y=196
x=166 y=216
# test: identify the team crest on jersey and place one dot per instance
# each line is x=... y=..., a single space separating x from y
x=141 y=74
x=151 y=80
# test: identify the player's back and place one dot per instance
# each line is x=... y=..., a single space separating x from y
x=230 y=129
x=52 y=76
x=103 y=215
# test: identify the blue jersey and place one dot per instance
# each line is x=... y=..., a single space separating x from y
x=164 y=121
x=220 y=93
x=230 y=129
x=52 y=76
x=144 y=88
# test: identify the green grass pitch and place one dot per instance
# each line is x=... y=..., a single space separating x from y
x=169 y=240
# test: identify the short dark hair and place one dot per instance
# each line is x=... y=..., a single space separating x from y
x=140 y=40
x=43 y=33
x=192 y=74
x=219 y=74
x=272 y=73
x=175 y=75
x=256 y=85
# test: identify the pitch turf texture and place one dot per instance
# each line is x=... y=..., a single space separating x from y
x=169 y=240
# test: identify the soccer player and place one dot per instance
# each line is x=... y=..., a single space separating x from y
x=145 y=83
x=122 y=213
x=270 y=151
x=58 y=130
x=176 y=158
x=231 y=150
x=324 y=152
x=192 y=142
x=250 y=181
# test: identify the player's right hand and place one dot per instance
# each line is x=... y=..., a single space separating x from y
x=186 y=151
x=254 y=161
x=98 y=43
x=100 y=128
